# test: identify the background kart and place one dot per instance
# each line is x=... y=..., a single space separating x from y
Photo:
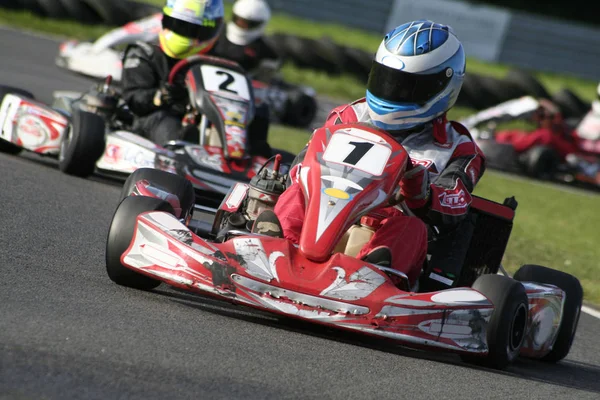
x=289 y=104
x=542 y=161
x=486 y=317
x=88 y=132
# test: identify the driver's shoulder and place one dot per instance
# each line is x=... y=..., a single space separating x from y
x=141 y=49
x=457 y=132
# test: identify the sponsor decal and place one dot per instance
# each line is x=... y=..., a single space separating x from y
x=112 y=153
x=424 y=163
x=202 y=157
x=140 y=158
x=337 y=193
x=236 y=196
x=428 y=164
x=453 y=200
x=357 y=286
x=32 y=131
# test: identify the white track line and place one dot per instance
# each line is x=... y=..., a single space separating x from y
x=590 y=311
x=563 y=187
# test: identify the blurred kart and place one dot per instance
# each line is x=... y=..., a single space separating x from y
x=349 y=170
x=289 y=104
x=90 y=132
x=542 y=146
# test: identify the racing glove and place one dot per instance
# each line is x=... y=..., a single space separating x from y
x=169 y=95
x=415 y=188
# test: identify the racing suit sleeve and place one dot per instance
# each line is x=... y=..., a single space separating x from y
x=140 y=81
x=450 y=194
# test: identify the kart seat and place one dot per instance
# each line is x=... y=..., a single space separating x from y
x=353 y=240
x=212 y=137
x=475 y=247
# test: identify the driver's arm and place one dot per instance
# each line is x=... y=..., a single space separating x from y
x=450 y=196
x=140 y=81
x=445 y=201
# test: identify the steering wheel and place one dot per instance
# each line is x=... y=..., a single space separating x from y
x=397 y=198
x=183 y=66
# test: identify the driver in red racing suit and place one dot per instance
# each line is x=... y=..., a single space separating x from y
x=408 y=96
x=551 y=130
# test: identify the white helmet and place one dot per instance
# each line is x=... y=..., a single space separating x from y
x=249 y=21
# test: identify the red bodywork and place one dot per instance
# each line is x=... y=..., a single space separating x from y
x=310 y=283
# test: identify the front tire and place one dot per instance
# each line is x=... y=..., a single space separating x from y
x=572 y=308
x=169 y=182
x=508 y=323
x=119 y=239
x=83 y=144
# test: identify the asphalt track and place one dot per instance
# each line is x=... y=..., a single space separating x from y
x=68 y=332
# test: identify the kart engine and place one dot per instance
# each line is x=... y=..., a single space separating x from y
x=102 y=100
x=264 y=190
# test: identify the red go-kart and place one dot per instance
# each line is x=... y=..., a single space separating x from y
x=348 y=171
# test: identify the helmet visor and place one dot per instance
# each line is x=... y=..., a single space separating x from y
x=398 y=86
x=245 y=23
x=189 y=30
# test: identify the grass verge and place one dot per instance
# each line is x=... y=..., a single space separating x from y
x=343 y=86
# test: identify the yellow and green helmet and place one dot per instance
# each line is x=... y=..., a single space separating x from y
x=190 y=26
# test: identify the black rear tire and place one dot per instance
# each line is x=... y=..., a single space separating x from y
x=171 y=183
x=571 y=310
x=528 y=83
x=119 y=239
x=508 y=323
x=500 y=156
x=541 y=162
x=7 y=147
x=300 y=109
x=571 y=105
x=83 y=144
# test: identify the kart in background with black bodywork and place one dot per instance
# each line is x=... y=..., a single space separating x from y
x=91 y=132
x=289 y=104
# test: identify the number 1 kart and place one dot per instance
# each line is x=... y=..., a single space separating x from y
x=348 y=171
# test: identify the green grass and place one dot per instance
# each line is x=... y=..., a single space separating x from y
x=552 y=227
x=343 y=87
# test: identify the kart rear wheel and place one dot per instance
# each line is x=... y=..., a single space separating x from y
x=300 y=109
x=572 y=308
x=541 y=162
x=7 y=147
x=119 y=238
x=83 y=144
x=171 y=183
x=508 y=323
